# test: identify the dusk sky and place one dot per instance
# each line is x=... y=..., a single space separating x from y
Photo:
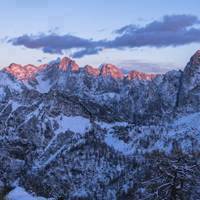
x=147 y=35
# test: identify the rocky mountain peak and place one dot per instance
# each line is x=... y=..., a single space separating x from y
x=67 y=135
x=190 y=90
x=111 y=70
x=68 y=64
x=195 y=59
x=91 y=70
x=193 y=66
x=22 y=72
x=140 y=75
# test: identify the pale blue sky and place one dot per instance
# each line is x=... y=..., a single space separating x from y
x=96 y=19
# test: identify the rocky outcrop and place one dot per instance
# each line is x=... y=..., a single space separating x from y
x=22 y=72
x=83 y=133
x=92 y=70
x=111 y=71
x=68 y=64
x=190 y=90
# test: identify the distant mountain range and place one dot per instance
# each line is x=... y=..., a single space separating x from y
x=96 y=133
x=66 y=64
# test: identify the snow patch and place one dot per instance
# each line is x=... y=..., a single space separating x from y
x=15 y=105
x=75 y=124
x=118 y=144
x=43 y=85
x=191 y=121
x=2 y=94
x=80 y=193
x=20 y=194
x=105 y=125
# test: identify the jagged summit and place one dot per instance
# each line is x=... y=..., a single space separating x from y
x=68 y=64
x=85 y=135
x=29 y=71
x=92 y=70
x=193 y=66
x=195 y=59
x=22 y=72
x=111 y=70
x=190 y=90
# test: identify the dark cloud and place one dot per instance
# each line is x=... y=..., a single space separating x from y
x=39 y=60
x=126 y=29
x=52 y=50
x=83 y=52
x=170 y=23
x=172 y=30
x=52 y=42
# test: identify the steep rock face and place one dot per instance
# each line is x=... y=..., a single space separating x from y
x=31 y=70
x=92 y=70
x=68 y=133
x=68 y=64
x=190 y=90
x=9 y=86
x=112 y=71
x=168 y=88
x=137 y=97
x=22 y=72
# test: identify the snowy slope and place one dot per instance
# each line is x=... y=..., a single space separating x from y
x=85 y=133
x=20 y=194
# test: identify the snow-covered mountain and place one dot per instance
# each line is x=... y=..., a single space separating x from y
x=95 y=133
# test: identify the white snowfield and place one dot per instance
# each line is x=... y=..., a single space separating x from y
x=118 y=144
x=182 y=130
x=191 y=121
x=43 y=85
x=19 y=193
x=75 y=124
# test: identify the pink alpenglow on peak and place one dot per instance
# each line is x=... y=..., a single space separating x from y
x=140 y=75
x=22 y=72
x=42 y=66
x=92 y=70
x=29 y=72
x=111 y=70
x=68 y=64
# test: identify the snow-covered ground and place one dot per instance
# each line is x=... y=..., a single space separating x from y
x=43 y=85
x=105 y=125
x=118 y=144
x=191 y=121
x=183 y=130
x=6 y=81
x=75 y=124
x=19 y=193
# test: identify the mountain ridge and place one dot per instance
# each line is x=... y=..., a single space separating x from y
x=28 y=71
x=72 y=133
